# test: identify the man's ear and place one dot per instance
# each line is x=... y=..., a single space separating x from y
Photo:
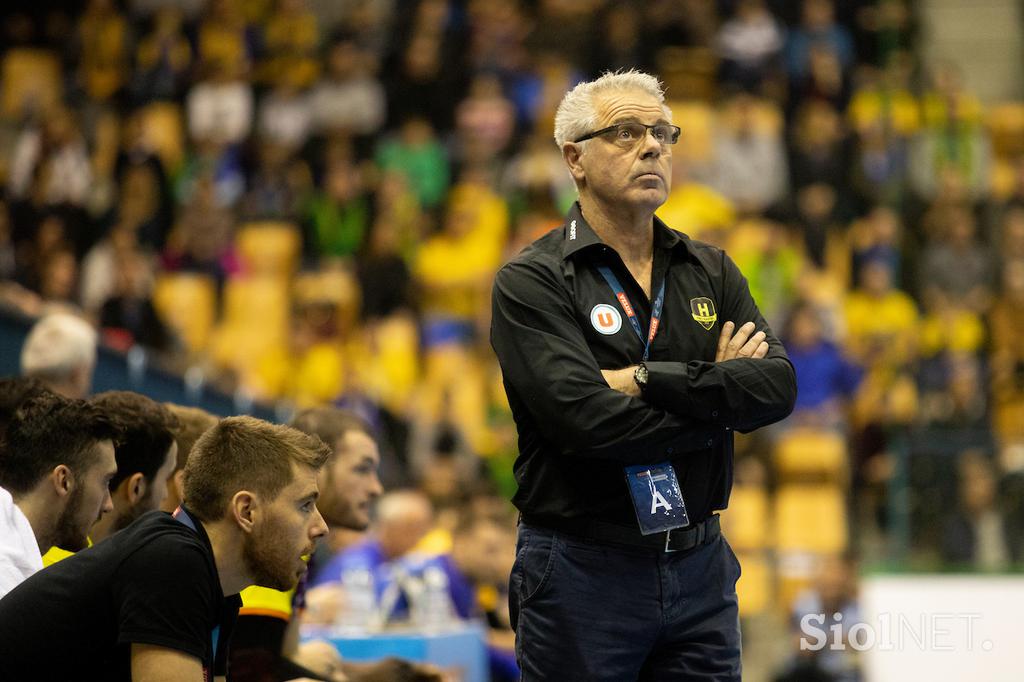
x=135 y=487
x=178 y=481
x=63 y=480
x=244 y=510
x=573 y=154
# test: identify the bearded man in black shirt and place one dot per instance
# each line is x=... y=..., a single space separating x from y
x=157 y=601
x=629 y=354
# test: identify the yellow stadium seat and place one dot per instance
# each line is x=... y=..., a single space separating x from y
x=31 y=81
x=256 y=320
x=187 y=303
x=164 y=130
x=269 y=248
x=810 y=518
x=754 y=588
x=1006 y=125
x=696 y=120
x=746 y=521
x=1002 y=179
x=336 y=285
x=805 y=453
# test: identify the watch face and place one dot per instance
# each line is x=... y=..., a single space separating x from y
x=640 y=376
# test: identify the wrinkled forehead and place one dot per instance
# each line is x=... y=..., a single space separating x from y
x=619 y=106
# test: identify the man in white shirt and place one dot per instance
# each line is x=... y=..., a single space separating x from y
x=56 y=463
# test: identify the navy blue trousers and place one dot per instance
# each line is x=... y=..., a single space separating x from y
x=594 y=611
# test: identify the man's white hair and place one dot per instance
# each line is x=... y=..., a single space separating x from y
x=57 y=345
x=576 y=115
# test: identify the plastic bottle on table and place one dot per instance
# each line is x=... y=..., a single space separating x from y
x=360 y=612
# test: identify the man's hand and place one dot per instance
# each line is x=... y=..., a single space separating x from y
x=742 y=345
x=622 y=380
x=394 y=670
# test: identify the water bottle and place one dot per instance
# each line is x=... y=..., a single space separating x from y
x=360 y=612
x=432 y=611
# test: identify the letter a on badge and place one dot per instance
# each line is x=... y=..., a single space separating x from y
x=659 y=501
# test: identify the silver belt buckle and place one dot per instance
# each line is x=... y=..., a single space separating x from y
x=668 y=539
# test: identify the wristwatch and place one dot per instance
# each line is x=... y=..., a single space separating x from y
x=640 y=376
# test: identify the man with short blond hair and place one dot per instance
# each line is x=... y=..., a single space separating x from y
x=157 y=601
x=629 y=354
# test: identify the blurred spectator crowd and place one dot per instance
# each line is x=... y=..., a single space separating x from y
x=306 y=200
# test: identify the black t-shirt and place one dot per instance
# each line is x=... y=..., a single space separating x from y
x=155 y=582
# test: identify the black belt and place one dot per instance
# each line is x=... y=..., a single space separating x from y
x=677 y=540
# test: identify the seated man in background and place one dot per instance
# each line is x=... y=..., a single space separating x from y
x=158 y=601
x=266 y=642
x=146 y=456
x=60 y=350
x=404 y=517
x=56 y=462
x=192 y=423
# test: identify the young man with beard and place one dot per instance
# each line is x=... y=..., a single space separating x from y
x=146 y=457
x=265 y=645
x=157 y=602
x=56 y=462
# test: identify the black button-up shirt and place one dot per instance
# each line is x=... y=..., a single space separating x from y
x=576 y=434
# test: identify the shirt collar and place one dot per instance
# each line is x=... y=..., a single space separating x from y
x=579 y=235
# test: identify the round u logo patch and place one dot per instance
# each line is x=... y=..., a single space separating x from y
x=606 y=319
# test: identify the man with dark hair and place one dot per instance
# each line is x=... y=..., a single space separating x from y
x=15 y=391
x=192 y=423
x=55 y=468
x=146 y=456
x=157 y=602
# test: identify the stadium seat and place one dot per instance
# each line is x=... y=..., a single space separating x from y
x=269 y=248
x=697 y=123
x=163 y=130
x=810 y=518
x=805 y=454
x=754 y=588
x=187 y=303
x=1006 y=125
x=255 y=321
x=31 y=81
x=746 y=521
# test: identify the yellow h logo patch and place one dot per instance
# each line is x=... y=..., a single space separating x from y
x=703 y=311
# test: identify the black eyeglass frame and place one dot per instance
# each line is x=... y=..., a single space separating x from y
x=675 y=129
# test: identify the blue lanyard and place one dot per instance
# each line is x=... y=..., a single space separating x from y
x=183 y=516
x=620 y=294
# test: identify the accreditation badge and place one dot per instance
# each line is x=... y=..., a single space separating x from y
x=656 y=497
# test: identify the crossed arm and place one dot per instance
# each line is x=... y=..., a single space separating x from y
x=742 y=345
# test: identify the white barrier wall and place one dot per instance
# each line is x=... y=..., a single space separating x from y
x=939 y=628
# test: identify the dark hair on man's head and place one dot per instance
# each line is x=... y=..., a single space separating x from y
x=329 y=424
x=14 y=392
x=47 y=431
x=245 y=453
x=147 y=428
x=192 y=423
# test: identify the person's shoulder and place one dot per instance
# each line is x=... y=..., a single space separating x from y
x=543 y=251
x=544 y=255
x=160 y=534
x=712 y=258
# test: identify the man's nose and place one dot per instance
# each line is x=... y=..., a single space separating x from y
x=650 y=147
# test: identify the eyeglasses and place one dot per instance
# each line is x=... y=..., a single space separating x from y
x=629 y=134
